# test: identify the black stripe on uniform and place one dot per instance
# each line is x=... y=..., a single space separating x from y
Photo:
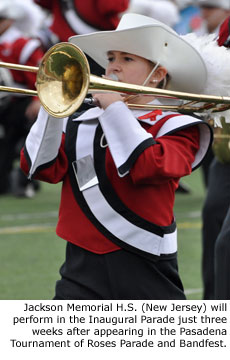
x=123 y=169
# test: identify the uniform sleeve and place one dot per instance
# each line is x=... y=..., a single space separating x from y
x=125 y=136
x=42 y=146
x=51 y=172
x=171 y=157
x=136 y=151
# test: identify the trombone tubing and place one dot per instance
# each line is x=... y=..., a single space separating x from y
x=99 y=84
x=22 y=68
x=18 y=67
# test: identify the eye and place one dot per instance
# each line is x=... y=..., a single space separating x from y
x=110 y=58
x=128 y=58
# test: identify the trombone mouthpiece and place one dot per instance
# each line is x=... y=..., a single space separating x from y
x=113 y=77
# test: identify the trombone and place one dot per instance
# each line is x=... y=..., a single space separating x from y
x=63 y=80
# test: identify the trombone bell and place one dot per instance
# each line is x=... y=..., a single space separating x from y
x=63 y=79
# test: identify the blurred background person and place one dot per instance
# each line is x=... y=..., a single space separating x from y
x=216 y=224
x=81 y=17
x=213 y=13
x=19 y=21
x=76 y=17
x=165 y=11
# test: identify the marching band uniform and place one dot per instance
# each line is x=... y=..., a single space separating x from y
x=120 y=169
x=109 y=204
x=132 y=196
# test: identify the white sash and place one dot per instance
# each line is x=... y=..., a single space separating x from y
x=117 y=225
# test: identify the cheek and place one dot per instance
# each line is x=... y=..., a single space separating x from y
x=139 y=75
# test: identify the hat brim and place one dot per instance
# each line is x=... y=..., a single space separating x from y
x=185 y=66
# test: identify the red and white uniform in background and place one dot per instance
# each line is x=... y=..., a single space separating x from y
x=120 y=169
x=76 y=17
x=18 y=49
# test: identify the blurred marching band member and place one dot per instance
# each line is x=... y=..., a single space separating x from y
x=163 y=10
x=19 y=112
x=74 y=17
x=213 y=13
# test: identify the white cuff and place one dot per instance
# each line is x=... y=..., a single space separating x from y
x=44 y=139
x=125 y=136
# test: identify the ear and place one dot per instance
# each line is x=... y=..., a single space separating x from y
x=159 y=74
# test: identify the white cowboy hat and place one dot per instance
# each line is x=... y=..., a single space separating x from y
x=222 y=4
x=153 y=40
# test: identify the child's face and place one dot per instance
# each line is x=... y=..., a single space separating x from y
x=127 y=67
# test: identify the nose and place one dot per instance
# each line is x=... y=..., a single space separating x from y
x=114 y=66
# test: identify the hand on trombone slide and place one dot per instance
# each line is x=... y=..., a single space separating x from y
x=103 y=100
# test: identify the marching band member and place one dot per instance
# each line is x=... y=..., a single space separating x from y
x=16 y=46
x=213 y=13
x=163 y=10
x=73 y=17
x=120 y=167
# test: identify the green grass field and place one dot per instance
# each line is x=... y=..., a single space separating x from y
x=31 y=253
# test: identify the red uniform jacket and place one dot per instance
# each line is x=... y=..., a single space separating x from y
x=135 y=178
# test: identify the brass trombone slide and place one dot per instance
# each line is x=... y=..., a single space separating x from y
x=63 y=80
x=18 y=67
